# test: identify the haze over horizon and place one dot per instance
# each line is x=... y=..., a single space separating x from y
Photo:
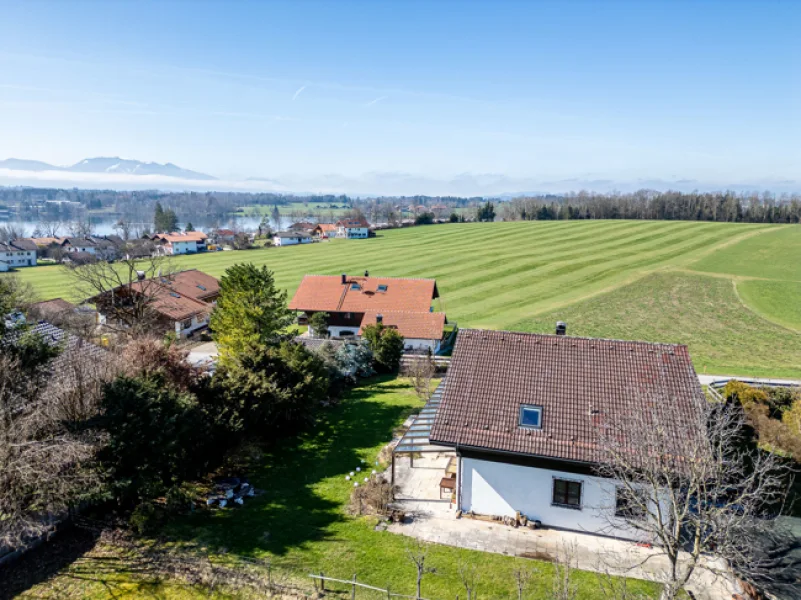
x=439 y=98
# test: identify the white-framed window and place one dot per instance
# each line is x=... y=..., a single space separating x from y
x=567 y=493
x=530 y=416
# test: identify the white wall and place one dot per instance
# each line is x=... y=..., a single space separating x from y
x=197 y=323
x=19 y=258
x=183 y=247
x=494 y=488
x=418 y=344
x=3 y=266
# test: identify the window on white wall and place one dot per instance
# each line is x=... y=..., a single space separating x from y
x=567 y=493
x=531 y=416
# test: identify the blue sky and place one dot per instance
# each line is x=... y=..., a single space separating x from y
x=519 y=91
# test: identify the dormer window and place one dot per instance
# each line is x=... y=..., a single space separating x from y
x=530 y=416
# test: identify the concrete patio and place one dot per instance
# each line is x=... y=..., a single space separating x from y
x=434 y=520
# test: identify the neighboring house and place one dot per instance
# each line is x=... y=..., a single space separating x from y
x=291 y=238
x=420 y=330
x=182 y=301
x=106 y=248
x=224 y=236
x=85 y=245
x=355 y=302
x=353 y=229
x=188 y=242
x=325 y=230
x=3 y=266
x=523 y=413
x=17 y=253
x=56 y=311
x=302 y=226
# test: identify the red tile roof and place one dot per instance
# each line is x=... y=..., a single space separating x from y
x=326 y=227
x=411 y=325
x=189 y=236
x=576 y=381
x=361 y=294
x=51 y=308
x=194 y=284
x=348 y=223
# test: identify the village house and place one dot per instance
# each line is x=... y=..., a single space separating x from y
x=181 y=302
x=353 y=229
x=522 y=412
x=292 y=238
x=188 y=242
x=352 y=303
x=325 y=230
x=302 y=226
x=17 y=253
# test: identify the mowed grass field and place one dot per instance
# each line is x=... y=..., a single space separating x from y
x=686 y=282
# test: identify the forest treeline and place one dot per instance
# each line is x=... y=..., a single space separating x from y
x=647 y=204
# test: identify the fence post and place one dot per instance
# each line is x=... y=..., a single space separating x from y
x=322 y=581
x=353 y=591
x=389 y=594
x=269 y=576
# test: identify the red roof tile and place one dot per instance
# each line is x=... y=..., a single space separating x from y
x=411 y=325
x=361 y=294
x=576 y=381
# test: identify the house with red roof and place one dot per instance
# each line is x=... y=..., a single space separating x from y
x=525 y=416
x=181 y=302
x=354 y=302
x=353 y=229
x=188 y=242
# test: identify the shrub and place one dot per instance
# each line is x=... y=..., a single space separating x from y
x=387 y=346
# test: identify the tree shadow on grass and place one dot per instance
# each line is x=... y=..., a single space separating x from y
x=303 y=478
x=45 y=561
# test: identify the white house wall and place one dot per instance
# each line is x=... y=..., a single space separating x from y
x=502 y=489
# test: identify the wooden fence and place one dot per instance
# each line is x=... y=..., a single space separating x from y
x=354 y=585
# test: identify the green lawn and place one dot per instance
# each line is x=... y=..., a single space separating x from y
x=778 y=301
x=502 y=275
x=775 y=256
x=723 y=335
x=300 y=522
x=300 y=519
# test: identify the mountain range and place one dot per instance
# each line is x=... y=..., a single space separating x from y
x=110 y=165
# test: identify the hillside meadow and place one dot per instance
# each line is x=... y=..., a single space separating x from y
x=729 y=291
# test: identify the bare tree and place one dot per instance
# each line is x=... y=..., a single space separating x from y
x=81 y=228
x=123 y=228
x=421 y=371
x=523 y=572
x=124 y=292
x=417 y=551
x=50 y=228
x=564 y=586
x=695 y=488
x=469 y=576
x=45 y=465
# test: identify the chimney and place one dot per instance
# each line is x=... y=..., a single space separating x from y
x=367 y=273
x=379 y=318
x=344 y=279
x=561 y=328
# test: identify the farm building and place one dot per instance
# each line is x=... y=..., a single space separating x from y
x=180 y=302
x=522 y=413
x=292 y=238
x=355 y=302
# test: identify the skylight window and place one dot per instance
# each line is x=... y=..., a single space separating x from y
x=531 y=416
x=382 y=288
x=174 y=295
x=355 y=286
x=202 y=287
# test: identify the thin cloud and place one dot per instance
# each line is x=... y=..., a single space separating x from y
x=376 y=101
x=300 y=89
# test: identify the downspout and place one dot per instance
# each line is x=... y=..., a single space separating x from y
x=458 y=479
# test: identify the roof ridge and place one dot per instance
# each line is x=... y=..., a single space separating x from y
x=572 y=337
x=374 y=277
